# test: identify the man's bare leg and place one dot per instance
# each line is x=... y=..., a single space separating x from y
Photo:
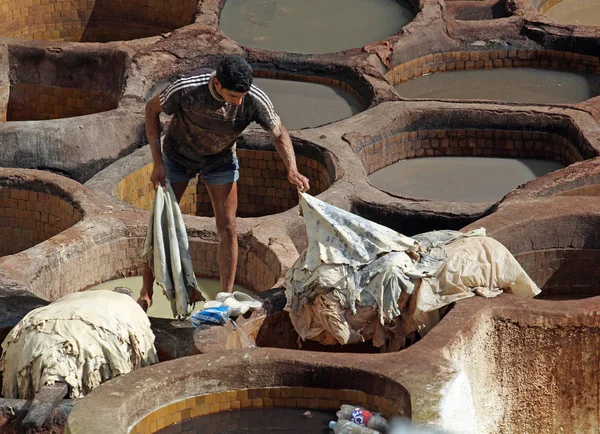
x=224 y=200
x=146 y=292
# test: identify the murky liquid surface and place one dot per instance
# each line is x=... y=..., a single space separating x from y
x=301 y=104
x=161 y=308
x=459 y=179
x=257 y=421
x=526 y=85
x=581 y=12
x=312 y=26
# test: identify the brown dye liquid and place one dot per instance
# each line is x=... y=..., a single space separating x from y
x=459 y=179
x=161 y=307
x=301 y=104
x=525 y=85
x=257 y=421
x=581 y=12
x=312 y=26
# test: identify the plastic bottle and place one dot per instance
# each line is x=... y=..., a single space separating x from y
x=361 y=416
x=347 y=427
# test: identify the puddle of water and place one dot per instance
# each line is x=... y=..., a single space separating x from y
x=525 y=85
x=312 y=26
x=258 y=421
x=301 y=104
x=581 y=12
x=245 y=340
x=161 y=308
x=459 y=179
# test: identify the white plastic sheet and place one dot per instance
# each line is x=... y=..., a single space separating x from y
x=352 y=262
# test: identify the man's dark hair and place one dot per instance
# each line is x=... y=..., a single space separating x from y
x=234 y=74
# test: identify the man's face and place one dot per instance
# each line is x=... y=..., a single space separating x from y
x=230 y=96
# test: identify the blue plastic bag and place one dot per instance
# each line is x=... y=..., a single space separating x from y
x=212 y=315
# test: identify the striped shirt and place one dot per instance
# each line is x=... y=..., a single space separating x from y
x=204 y=127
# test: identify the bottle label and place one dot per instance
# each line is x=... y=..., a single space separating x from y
x=360 y=416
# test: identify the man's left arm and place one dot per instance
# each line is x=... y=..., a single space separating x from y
x=285 y=149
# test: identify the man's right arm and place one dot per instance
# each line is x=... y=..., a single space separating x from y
x=153 y=110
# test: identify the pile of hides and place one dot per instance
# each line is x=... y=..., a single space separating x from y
x=167 y=251
x=83 y=339
x=360 y=281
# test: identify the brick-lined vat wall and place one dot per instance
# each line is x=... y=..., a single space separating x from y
x=564 y=272
x=35 y=102
x=52 y=84
x=92 y=21
x=258 y=267
x=291 y=397
x=470 y=142
x=588 y=190
x=469 y=60
x=263 y=188
x=28 y=217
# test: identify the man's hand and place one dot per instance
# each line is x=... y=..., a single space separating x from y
x=299 y=180
x=159 y=174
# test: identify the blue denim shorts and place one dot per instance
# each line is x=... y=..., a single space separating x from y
x=223 y=174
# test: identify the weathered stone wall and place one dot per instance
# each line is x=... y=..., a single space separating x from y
x=4 y=82
x=544 y=375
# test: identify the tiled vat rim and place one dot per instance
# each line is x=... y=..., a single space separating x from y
x=263 y=187
x=296 y=397
x=284 y=75
x=545 y=5
x=468 y=60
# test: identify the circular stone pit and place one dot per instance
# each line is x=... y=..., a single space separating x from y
x=263 y=188
x=282 y=25
x=306 y=101
x=185 y=388
x=582 y=73
x=576 y=12
x=92 y=20
x=465 y=142
x=32 y=211
x=55 y=83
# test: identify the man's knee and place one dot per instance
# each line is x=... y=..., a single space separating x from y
x=227 y=225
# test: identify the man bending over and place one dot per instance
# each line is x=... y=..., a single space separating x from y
x=210 y=110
